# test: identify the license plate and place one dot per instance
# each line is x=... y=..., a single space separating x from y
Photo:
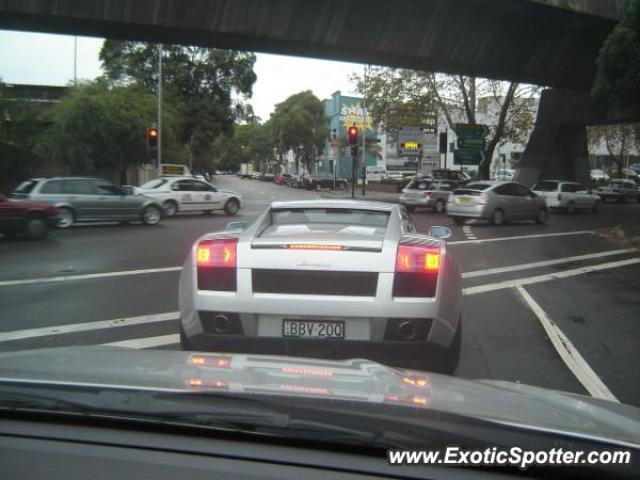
x=464 y=200
x=313 y=329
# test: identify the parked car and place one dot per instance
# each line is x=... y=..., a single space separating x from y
x=376 y=173
x=295 y=181
x=268 y=292
x=184 y=194
x=32 y=219
x=317 y=182
x=427 y=194
x=83 y=199
x=282 y=178
x=568 y=196
x=497 y=202
x=256 y=175
x=599 y=175
x=267 y=177
x=620 y=190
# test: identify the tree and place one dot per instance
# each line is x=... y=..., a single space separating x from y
x=618 y=75
x=299 y=124
x=98 y=127
x=618 y=140
x=205 y=85
x=400 y=97
x=250 y=143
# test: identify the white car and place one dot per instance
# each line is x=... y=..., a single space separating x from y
x=187 y=194
x=568 y=196
x=318 y=278
x=597 y=174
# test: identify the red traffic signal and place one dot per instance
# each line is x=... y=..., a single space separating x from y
x=352 y=135
x=152 y=137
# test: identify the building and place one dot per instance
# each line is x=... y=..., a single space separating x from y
x=342 y=112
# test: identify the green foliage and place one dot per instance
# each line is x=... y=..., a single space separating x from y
x=99 y=126
x=203 y=85
x=251 y=143
x=619 y=140
x=299 y=124
x=618 y=76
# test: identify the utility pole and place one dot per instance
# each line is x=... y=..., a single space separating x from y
x=75 y=61
x=159 y=156
x=364 y=134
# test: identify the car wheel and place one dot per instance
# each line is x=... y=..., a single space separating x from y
x=459 y=220
x=231 y=207
x=35 y=227
x=318 y=187
x=151 y=215
x=184 y=343
x=571 y=208
x=541 y=218
x=453 y=356
x=67 y=217
x=497 y=217
x=597 y=206
x=170 y=208
x=410 y=208
x=439 y=208
x=343 y=186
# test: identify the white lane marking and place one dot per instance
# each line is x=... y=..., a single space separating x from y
x=66 y=278
x=489 y=287
x=468 y=233
x=523 y=237
x=87 y=326
x=545 y=263
x=569 y=354
x=147 y=342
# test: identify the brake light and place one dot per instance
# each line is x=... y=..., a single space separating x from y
x=217 y=260
x=211 y=361
x=307 y=372
x=427 y=194
x=308 y=246
x=481 y=200
x=217 y=253
x=417 y=259
x=416 y=272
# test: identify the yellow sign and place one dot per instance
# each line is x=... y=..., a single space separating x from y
x=411 y=145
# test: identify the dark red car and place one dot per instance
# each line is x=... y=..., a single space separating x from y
x=33 y=219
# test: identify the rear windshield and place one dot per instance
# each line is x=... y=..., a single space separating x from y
x=26 y=187
x=344 y=216
x=155 y=183
x=420 y=185
x=545 y=187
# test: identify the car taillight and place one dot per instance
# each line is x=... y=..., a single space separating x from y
x=416 y=272
x=216 y=262
x=481 y=200
x=427 y=194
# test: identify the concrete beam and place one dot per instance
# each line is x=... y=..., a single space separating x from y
x=521 y=40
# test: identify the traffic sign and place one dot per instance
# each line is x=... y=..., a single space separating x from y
x=471 y=144
x=410 y=140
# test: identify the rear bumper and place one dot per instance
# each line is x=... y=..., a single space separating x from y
x=472 y=211
x=393 y=353
x=418 y=202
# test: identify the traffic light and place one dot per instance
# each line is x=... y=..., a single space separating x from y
x=352 y=135
x=152 y=137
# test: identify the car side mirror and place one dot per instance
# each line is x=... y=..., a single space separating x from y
x=237 y=226
x=441 y=233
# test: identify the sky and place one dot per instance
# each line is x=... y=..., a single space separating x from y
x=46 y=59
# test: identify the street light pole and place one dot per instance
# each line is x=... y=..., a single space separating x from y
x=364 y=134
x=75 y=61
x=159 y=158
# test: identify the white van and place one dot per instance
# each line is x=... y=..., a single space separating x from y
x=376 y=174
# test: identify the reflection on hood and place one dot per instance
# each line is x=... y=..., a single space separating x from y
x=353 y=380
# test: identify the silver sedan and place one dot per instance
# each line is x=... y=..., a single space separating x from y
x=336 y=279
x=497 y=202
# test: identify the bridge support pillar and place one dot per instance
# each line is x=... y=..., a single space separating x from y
x=557 y=148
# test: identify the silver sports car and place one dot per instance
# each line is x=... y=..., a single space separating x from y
x=328 y=279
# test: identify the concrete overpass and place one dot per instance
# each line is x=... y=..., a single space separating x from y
x=552 y=43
